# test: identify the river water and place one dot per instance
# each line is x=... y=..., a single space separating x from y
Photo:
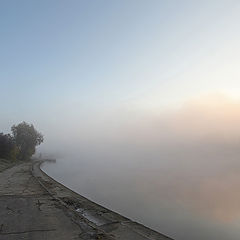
x=168 y=192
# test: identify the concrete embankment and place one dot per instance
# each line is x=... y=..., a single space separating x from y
x=34 y=206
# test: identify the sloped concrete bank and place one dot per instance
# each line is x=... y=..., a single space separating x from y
x=34 y=206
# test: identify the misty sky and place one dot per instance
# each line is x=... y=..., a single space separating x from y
x=75 y=61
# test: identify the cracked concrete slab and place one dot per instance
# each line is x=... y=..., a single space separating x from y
x=27 y=211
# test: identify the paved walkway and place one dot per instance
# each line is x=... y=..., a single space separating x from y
x=35 y=207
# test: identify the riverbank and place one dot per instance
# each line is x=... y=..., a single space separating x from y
x=5 y=164
x=46 y=209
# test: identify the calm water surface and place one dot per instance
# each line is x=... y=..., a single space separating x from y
x=180 y=199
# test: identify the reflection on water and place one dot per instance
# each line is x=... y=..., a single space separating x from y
x=178 y=174
x=200 y=202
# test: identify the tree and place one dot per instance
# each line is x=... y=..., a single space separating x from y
x=8 y=149
x=26 y=138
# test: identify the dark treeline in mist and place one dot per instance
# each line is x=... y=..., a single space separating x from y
x=21 y=144
x=8 y=148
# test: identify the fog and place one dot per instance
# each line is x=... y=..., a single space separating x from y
x=177 y=171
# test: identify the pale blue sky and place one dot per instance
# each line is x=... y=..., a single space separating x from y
x=71 y=57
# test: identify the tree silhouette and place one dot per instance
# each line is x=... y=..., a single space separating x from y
x=26 y=139
x=8 y=149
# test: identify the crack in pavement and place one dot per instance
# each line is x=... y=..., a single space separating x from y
x=28 y=231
